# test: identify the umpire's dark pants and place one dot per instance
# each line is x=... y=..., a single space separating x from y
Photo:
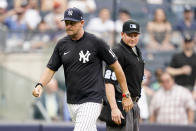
x=132 y=120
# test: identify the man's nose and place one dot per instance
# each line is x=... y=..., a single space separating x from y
x=132 y=38
x=68 y=25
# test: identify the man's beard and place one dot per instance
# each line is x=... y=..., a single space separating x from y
x=72 y=34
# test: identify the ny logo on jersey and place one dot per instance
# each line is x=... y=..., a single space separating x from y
x=84 y=57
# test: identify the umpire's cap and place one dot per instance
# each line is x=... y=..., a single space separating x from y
x=73 y=14
x=131 y=26
x=188 y=38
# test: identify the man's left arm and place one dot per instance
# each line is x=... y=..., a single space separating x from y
x=191 y=115
x=152 y=118
x=189 y=105
x=126 y=102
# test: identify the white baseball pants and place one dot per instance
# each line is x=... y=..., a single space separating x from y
x=85 y=115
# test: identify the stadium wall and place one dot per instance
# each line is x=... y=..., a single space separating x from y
x=101 y=127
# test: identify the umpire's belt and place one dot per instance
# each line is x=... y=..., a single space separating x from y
x=135 y=99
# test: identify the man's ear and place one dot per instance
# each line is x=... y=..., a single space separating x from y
x=122 y=33
x=82 y=22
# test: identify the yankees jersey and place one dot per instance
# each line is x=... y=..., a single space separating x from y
x=133 y=66
x=82 y=63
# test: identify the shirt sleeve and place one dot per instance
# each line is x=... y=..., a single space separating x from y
x=188 y=100
x=105 y=53
x=173 y=62
x=55 y=60
x=110 y=76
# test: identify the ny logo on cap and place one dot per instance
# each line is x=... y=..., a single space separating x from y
x=133 y=26
x=70 y=12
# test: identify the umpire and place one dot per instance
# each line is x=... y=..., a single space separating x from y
x=81 y=55
x=130 y=58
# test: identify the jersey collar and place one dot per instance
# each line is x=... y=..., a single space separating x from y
x=79 y=39
x=130 y=49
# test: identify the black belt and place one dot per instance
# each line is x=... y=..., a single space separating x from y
x=135 y=99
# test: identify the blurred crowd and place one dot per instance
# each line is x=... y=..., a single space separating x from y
x=168 y=94
x=28 y=25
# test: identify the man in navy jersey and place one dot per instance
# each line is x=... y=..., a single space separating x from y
x=81 y=55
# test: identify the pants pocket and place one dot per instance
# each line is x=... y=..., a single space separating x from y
x=136 y=111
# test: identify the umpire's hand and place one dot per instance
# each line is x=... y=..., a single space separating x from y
x=37 y=91
x=127 y=103
x=117 y=115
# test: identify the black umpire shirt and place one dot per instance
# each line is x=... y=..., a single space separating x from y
x=180 y=60
x=82 y=63
x=133 y=67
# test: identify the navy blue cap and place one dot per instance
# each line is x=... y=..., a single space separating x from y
x=73 y=14
x=131 y=26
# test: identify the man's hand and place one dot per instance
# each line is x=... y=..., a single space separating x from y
x=187 y=70
x=37 y=91
x=116 y=116
x=127 y=103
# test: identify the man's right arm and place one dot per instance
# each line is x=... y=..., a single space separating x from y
x=153 y=109
x=194 y=91
x=153 y=118
x=190 y=114
x=126 y=101
x=45 y=78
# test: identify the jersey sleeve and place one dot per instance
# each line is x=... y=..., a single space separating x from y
x=55 y=60
x=105 y=53
x=173 y=62
x=110 y=76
